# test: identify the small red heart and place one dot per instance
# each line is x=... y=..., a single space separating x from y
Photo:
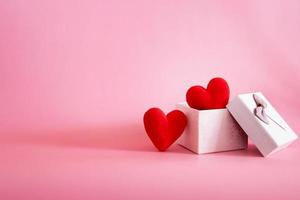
x=214 y=97
x=164 y=130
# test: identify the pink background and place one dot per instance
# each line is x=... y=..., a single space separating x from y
x=77 y=76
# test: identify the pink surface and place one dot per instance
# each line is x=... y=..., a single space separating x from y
x=77 y=76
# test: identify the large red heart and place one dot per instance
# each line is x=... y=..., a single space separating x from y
x=214 y=97
x=164 y=130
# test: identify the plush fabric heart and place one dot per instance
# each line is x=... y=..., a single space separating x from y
x=164 y=130
x=214 y=97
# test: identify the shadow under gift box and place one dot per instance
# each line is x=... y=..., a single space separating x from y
x=209 y=131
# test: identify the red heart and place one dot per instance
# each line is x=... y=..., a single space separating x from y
x=164 y=130
x=214 y=97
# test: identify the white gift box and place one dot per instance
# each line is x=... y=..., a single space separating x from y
x=269 y=133
x=209 y=131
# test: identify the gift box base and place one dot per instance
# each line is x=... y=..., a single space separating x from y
x=210 y=131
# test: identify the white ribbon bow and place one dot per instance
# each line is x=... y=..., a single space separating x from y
x=260 y=111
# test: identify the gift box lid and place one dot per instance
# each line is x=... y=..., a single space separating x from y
x=261 y=122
